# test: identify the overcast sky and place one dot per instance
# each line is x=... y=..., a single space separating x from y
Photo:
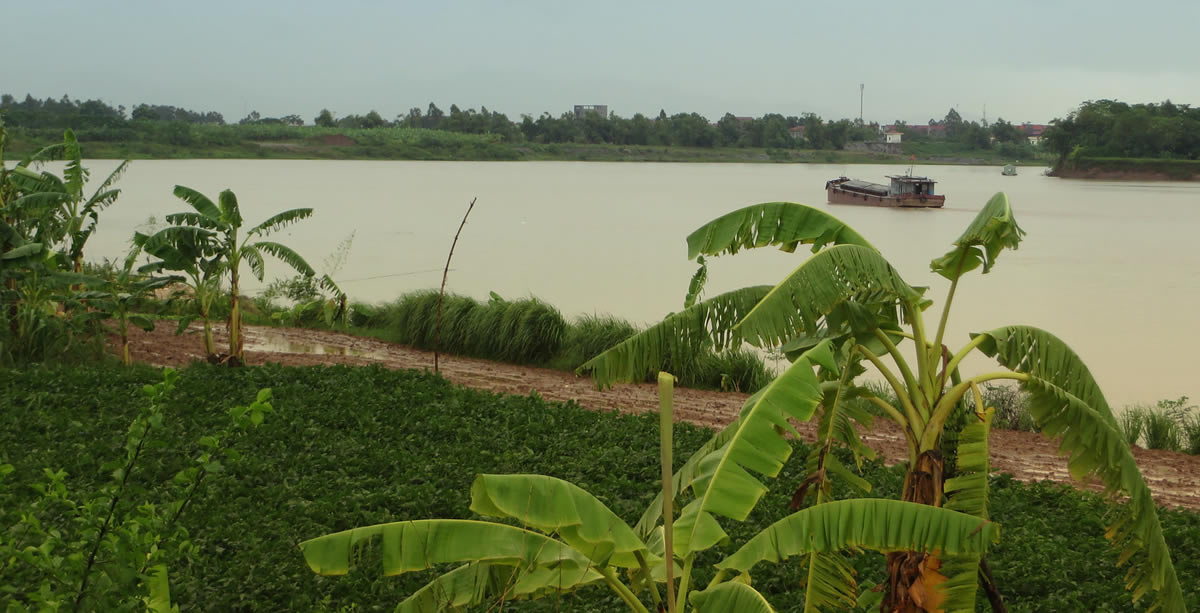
x=1025 y=60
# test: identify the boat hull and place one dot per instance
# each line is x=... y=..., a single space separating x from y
x=837 y=195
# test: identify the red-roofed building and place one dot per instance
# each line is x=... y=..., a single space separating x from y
x=1033 y=132
x=931 y=131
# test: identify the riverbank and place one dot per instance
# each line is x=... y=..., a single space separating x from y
x=1128 y=169
x=446 y=146
x=1174 y=478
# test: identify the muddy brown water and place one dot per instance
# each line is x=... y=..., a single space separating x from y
x=1173 y=478
x=1110 y=267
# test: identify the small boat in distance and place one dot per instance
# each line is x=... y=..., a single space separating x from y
x=1010 y=170
x=904 y=191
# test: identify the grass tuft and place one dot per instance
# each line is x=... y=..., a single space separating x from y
x=529 y=331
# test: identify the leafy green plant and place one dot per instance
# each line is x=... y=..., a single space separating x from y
x=212 y=232
x=368 y=466
x=116 y=297
x=197 y=253
x=572 y=540
x=109 y=550
x=1011 y=407
x=847 y=294
x=313 y=299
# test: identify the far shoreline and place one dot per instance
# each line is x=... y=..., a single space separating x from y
x=526 y=152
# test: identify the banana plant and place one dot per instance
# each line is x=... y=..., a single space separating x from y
x=222 y=221
x=848 y=295
x=197 y=253
x=116 y=297
x=18 y=247
x=75 y=215
x=569 y=540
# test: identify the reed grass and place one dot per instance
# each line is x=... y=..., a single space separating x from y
x=529 y=331
x=1162 y=431
x=589 y=336
x=525 y=331
x=1132 y=421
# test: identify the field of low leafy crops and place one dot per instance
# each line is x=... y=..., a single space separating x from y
x=350 y=447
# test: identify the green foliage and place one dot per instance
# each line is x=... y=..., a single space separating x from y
x=1172 y=425
x=45 y=222
x=315 y=301
x=525 y=331
x=340 y=457
x=592 y=542
x=1161 y=431
x=590 y=335
x=1133 y=423
x=1114 y=129
x=109 y=549
x=529 y=331
x=849 y=294
x=116 y=297
x=206 y=245
x=1010 y=403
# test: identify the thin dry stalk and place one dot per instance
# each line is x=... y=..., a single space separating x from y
x=437 y=334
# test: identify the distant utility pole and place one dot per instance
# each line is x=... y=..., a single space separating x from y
x=861 y=87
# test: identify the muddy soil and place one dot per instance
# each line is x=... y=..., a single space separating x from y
x=1174 y=478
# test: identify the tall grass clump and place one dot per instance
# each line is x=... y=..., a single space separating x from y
x=525 y=331
x=1133 y=423
x=529 y=331
x=1191 y=434
x=589 y=336
x=1161 y=431
x=736 y=370
x=1172 y=425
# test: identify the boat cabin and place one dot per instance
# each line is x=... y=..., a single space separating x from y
x=906 y=184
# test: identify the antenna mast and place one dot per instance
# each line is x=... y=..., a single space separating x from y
x=861 y=87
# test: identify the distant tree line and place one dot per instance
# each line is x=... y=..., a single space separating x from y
x=1108 y=128
x=97 y=121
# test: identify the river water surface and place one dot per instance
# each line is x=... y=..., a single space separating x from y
x=1112 y=268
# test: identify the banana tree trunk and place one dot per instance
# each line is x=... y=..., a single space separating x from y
x=235 y=321
x=913 y=576
x=210 y=348
x=14 y=314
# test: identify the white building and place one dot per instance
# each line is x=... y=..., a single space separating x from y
x=892 y=137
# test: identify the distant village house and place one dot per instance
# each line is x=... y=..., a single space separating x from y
x=1033 y=132
x=582 y=110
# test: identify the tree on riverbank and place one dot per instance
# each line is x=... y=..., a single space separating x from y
x=1114 y=129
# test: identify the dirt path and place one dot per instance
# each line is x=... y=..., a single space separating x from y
x=1174 y=478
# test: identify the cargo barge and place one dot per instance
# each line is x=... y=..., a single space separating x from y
x=904 y=191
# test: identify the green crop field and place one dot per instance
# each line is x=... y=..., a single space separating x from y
x=349 y=447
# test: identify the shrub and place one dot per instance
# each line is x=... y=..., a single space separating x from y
x=1010 y=404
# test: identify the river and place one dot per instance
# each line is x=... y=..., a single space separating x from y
x=1112 y=268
